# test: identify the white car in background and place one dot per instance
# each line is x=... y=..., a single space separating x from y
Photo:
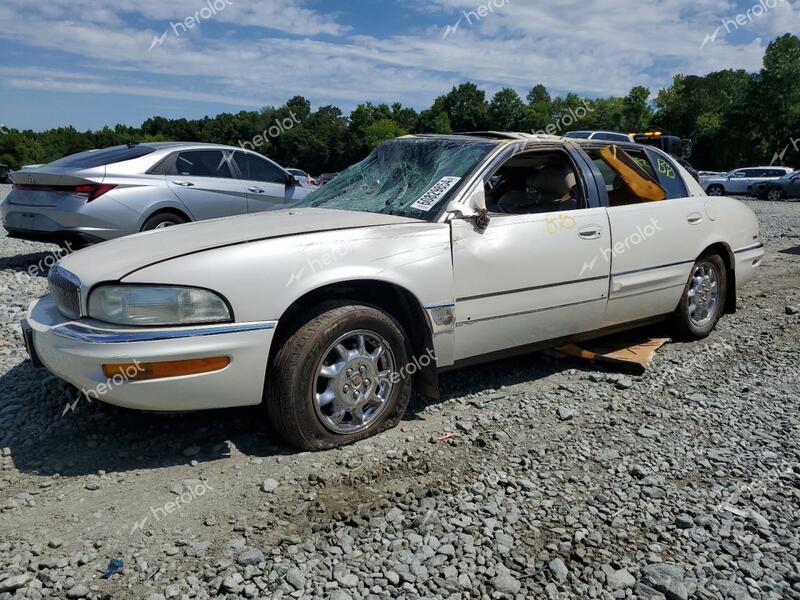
x=604 y=136
x=434 y=252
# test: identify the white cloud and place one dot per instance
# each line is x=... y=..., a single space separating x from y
x=593 y=47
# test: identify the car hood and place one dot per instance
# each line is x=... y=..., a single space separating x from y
x=115 y=259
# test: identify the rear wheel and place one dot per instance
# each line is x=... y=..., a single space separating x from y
x=703 y=300
x=163 y=220
x=715 y=190
x=339 y=378
x=774 y=194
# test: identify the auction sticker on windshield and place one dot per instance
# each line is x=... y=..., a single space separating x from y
x=436 y=193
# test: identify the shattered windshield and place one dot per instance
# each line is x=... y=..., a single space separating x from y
x=409 y=177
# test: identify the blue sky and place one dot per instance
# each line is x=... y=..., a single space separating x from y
x=90 y=63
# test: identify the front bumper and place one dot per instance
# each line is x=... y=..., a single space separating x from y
x=76 y=350
x=748 y=261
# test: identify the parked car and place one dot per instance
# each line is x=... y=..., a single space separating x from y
x=778 y=189
x=303 y=178
x=610 y=136
x=434 y=252
x=104 y=194
x=4 y=172
x=739 y=181
x=326 y=178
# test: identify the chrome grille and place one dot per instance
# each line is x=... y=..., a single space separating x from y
x=66 y=291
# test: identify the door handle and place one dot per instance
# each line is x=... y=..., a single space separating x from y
x=184 y=183
x=590 y=232
x=255 y=190
x=695 y=219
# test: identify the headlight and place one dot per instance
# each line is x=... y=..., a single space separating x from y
x=157 y=305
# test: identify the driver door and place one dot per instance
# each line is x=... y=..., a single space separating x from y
x=529 y=278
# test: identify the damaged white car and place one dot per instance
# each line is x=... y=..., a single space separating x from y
x=432 y=253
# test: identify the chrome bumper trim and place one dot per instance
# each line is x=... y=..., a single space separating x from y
x=93 y=335
x=758 y=246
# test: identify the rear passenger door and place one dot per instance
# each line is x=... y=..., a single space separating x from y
x=205 y=183
x=654 y=244
x=267 y=185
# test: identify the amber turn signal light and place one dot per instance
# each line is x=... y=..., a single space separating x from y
x=138 y=371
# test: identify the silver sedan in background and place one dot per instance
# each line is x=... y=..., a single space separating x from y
x=739 y=182
x=103 y=194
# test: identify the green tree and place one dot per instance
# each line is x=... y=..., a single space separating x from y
x=506 y=111
x=385 y=129
x=467 y=108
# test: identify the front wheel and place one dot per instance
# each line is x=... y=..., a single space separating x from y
x=774 y=194
x=716 y=190
x=341 y=377
x=703 y=300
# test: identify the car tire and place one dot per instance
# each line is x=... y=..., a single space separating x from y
x=715 y=190
x=775 y=194
x=326 y=389
x=703 y=301
x=163 y=220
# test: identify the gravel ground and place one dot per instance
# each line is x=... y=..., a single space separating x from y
x=562 y=479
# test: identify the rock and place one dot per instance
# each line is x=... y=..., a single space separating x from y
x=792 y=309
x=251 y=556
x=648 y=433
x=14 y=582
x=667 y=579
x=684 y=522
x=295 y=578
x=645 y=592
x=269 y=486
x=348 y=580
x=620 y=580
x=506 y=584
x=78 y=591
x=565 y=414
x=624 y=383
x=558 y=569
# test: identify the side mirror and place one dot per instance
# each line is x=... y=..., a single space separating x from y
x=291 y=180
x=475 y=210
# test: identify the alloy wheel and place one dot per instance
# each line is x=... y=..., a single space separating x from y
x=703 y=293
x=353 y=382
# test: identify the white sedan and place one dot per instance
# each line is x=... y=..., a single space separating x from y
x=432 y=253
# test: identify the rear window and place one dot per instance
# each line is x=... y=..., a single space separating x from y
x=579 y=135
x=105 y=156
x=668 y=176
x=612 y=137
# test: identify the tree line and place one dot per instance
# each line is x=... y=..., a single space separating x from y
x=734 y=118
